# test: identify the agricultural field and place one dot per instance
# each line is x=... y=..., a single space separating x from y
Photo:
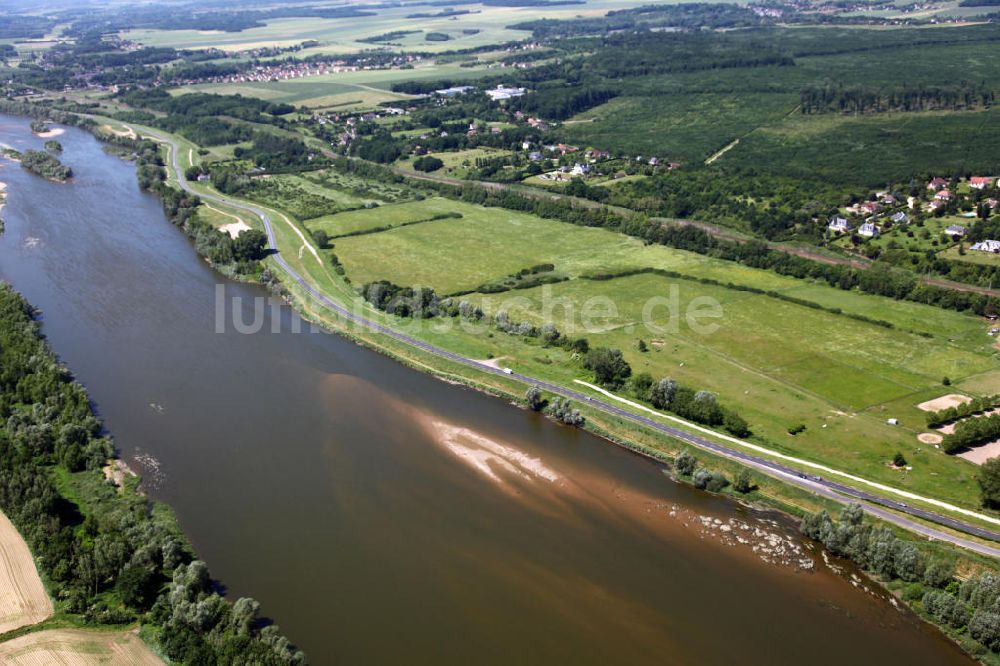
x=344 y=91
x=780 y=363
x=78 y=647
x=483 y=26
x=24 y=600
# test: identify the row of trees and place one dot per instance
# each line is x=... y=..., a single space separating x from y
x=613 y=372
x=971 y=606
x=975 y=406
x=972 y=432
x=867 y=99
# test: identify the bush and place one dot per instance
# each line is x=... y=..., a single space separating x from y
x=427 y=163
x=534 y=398
x=609 y=367
x=744 y=483
x=685 y=463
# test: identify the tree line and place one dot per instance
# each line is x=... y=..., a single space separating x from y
x=968 y=607
x=868 y=99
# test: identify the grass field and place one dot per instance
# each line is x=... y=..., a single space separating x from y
x=78 y=647
x=341 y=35
x=385 y=216
x=23 y=599
x=778 y=363
x=458 y=163
x=344 y=90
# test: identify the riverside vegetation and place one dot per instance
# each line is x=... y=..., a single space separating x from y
x=108 y=556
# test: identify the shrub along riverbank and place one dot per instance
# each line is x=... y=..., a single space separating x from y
x=968 y=610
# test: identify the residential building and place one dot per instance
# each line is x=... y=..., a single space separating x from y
x=868 y=230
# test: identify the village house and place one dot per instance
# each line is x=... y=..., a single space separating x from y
x=955 y=230
x=839 y=225
x=937 y=184
x=501 y=93
x=987 y=246
x=868 y=230
x=580 y=169
x=900 y=218
x=453 y=91
x=944 y=195
x=981 y=182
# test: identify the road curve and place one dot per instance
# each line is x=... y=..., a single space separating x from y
x=878 y=506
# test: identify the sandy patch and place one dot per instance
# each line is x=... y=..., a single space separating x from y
x=234 y=229
x=981 y=454
x=23 y=600
x=78 y=647
x=491 y=362
x=55 y=131
x=490 y=457
x=944 y=402
x=116 y=471
x=128 y=132
x=930 y=438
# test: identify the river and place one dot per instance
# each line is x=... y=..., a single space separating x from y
x=385 y=517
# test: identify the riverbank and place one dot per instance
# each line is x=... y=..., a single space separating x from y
x=373 y=524
x=319 y=286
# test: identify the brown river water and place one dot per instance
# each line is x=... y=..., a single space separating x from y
x=385 y=517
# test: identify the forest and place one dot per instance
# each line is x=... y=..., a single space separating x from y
x=868 y=99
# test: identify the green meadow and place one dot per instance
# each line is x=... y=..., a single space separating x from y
x=779 y=363
x=344 y=90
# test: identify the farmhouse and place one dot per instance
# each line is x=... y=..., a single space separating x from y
x=501 y=93
x=868 y=229
x=865 y=208
x=839 y=225
x=981 y=182
x=955 y=230
x=987 y=246
x=453 y=91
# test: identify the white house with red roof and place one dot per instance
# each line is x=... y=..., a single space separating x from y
x=936 y=184
x=981 y=182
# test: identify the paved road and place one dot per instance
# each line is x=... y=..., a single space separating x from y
x=874 y=504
